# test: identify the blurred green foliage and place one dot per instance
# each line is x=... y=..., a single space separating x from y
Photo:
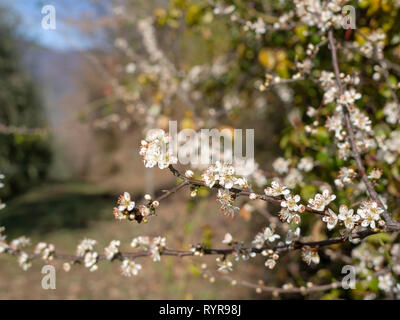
x=24 y=158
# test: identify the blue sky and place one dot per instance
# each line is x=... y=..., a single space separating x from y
x=65 y=37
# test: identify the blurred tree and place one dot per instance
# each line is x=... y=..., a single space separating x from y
x=24 y=156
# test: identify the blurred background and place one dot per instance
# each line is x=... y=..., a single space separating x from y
x=65 y=163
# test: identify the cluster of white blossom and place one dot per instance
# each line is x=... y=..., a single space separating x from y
x=322 y=14
x=276 y=189
x=130 y=268
x=346 y=176
x=223 y=174
x=321 y=200
x=112 y=250
x=220 y=9
x=259 y=26
x=155 y=247
x=226 y=201
x=224 y=265
x=15 y=247
x=389 y=149
x=291 y=208
x=373 y=45
x=392 y=113
x=45 y=250
x=24 y=261
x=126 y=208
x=20 y=243
x=310 y=255
x=267 y=235
x=156 y=150
x=85 y=249
x=371 y=264
x=368 y=215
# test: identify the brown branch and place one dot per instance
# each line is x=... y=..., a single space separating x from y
x=234 y=249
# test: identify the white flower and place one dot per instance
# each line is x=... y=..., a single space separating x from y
x=327 y=197
x=225 y=266
x=306 y=164
x=66 y=267
x=281 y=165
x=331 y=219
x=130 y=268
x=130 y=68
x=84 y=246
x=346 y=215
x=269 y=235
x=270 y=263
x=160 y=241
x=346 y=176
x=375 y=174
x=144 y=210
x=24 y=261
x=125 y=202
x=317 y=203
x=391 y=111
x=259 y=26
x=90 y=260
x=140 y=241
x=310 y=255
x=147 y=197
x=112 y=249
x=385 y=282
x=156 y=150
x=266 y=235
x=223 y=10
x=290 y=203
x=224 y=175
x=227 y=203
x=252 y=196
x=227 y=239
x=320 y=201
x=118 y=215
x=156 y=247
x=45 y=250
x=361 y=120
x=276 y=189
x=289 y=216
x=349 y=97
x=335 y=124
x=369 y=212
x=189 y=174
x=20 y=242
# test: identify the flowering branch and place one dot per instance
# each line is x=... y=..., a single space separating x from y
x=391 y=224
